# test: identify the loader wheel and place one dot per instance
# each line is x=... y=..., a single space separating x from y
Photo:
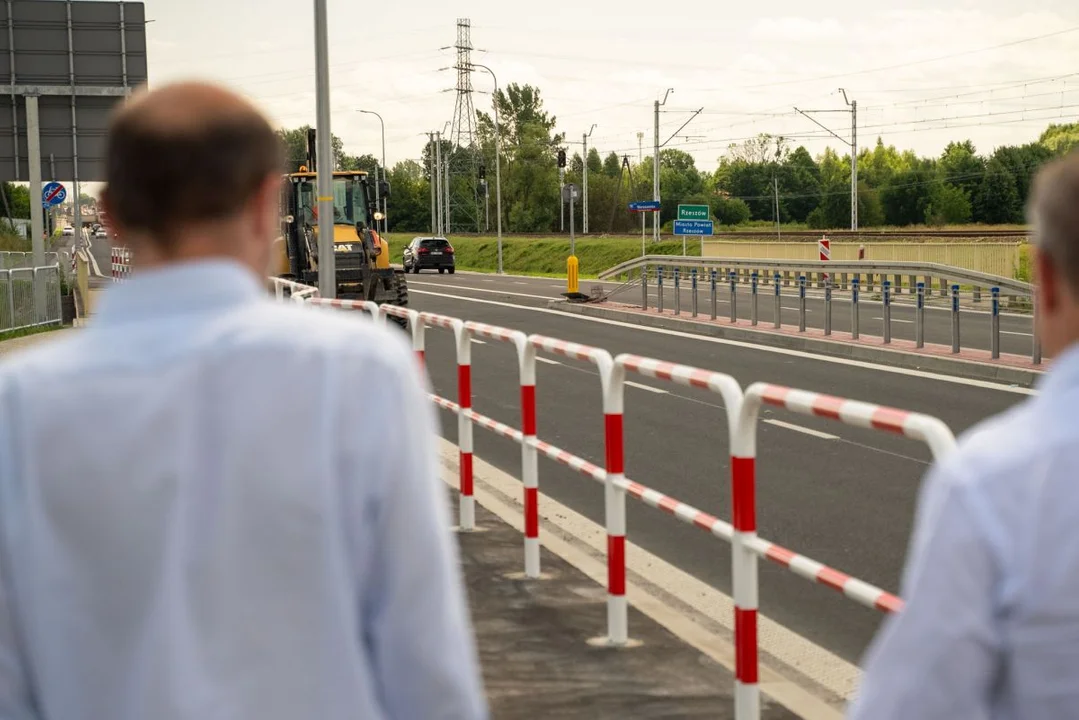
x=441 y=270
x=400 y=297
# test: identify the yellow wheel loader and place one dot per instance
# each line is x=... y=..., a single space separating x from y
x=362 y=258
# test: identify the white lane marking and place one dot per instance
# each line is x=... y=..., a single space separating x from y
x=897 y=320
x=496 y=292
x=984 y=384
x=649 y=388
x=795 y=309
x=584 y=547
x=479 y=342
x=801 y=429
x=547 y=360
x=1012 y=332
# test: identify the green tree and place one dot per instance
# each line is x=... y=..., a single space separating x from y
x=295 y=142
x=612 y=165
x=729 y=211
x=595 y=162
x=959 y=165
x=799 y=185
x=834 y=209
x=409 y=204
x=905 y=196
x=998 y=199
x=18 y=197
x=948 y=205
x=1061 y=139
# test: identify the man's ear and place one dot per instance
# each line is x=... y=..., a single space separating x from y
x=1047 y=281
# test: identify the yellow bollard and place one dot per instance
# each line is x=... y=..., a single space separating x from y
x=571 y=275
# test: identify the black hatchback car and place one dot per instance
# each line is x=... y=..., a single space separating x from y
x=429 y=252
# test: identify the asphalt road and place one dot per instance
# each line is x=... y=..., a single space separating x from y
x=843 y=496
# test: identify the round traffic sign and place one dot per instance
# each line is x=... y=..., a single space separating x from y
x=53 y=194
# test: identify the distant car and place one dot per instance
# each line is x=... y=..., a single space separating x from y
x=429 y=253
x=101 y=233
x=68 y=231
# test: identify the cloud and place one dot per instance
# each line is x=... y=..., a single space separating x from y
x=796 y=29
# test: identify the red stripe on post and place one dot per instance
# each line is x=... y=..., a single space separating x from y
x=890 y=419
x=635 y=489
x=780 y=555
x=700 y=378
x=614 y=443
x=668 y=504
x=420 y=356
x=745 y=645
x=466 y=473
x=775 y=395
x=532 y=512
x=832 y=578
x=743 y=494
x=888 y=603
x=664 y=370
x=528 y=409
x=704 y=520
x=464 y=386
x=828 y=406
x=616 y=564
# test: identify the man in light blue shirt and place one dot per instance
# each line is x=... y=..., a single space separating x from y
x=991 y=624
x=212 y=506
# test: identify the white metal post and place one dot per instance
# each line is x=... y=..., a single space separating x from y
x=385 y=210
x=498 y=163
x=33 y=149
x=431 y=178
x=327 y=271
x=584 y=183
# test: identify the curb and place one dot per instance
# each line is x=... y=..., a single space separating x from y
x=897 y=358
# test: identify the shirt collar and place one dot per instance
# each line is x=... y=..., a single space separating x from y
x=177 y=289
x=1063 y=375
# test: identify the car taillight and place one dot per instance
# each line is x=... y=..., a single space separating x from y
x=449 y=249
x=424 y=251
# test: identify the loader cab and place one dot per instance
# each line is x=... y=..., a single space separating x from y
x=353 y=201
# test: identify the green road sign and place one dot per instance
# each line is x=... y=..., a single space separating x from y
x=694 y=212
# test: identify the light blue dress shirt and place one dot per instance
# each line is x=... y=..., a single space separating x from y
x=218 y=507
x=991 y=624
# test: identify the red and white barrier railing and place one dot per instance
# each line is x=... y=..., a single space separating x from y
x=121 y=263
x=741 y=410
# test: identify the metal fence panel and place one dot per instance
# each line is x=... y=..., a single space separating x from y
x=18 y=308
x=992 y=258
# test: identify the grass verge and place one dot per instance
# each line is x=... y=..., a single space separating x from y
x=546 y=257
x=25 y=332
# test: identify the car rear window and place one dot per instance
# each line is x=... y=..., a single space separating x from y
x=434 y=243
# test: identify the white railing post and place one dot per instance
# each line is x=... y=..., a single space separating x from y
x=747 y=705
x=612 y=378
x=526 y=360
x=463 y=340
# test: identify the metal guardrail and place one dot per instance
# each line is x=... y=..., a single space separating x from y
x=868 y=268
x=29 y=297
x=855 y=277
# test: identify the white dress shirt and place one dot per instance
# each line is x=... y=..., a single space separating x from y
x=991 y=625
x=218 y=507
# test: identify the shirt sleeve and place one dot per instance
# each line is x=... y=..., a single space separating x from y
x=938 y=658
x=418 y=631
x=16 y=700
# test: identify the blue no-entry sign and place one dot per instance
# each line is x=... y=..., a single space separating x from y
x=53 y=194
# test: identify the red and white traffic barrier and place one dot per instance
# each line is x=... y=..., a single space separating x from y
x=614 y=492
x=824 y=250
x=742 y=410
x=526 y=362
x=121 y=263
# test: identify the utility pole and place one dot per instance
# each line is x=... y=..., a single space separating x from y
x=431 y=177
x=655 y=169
x=584 y=183
x=853 y=104
x=498 y=164
x=640 y=161
x=385 y=209
x=327 y=262
x=852 y=144
x=438 y=181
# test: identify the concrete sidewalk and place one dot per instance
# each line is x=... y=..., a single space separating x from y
x=537 y=662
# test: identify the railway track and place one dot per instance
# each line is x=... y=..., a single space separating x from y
x=788 y=235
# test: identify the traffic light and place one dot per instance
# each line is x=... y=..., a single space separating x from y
x=561 y=158
x=483 y=172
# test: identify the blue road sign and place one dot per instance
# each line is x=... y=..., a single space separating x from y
x=53 y=194
x=644 y=206
x=693 y=227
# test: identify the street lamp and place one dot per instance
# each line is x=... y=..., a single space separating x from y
x=385 y=212
x=498 y=164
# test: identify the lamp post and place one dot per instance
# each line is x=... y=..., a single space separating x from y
x=385 y=212
x=498 y=165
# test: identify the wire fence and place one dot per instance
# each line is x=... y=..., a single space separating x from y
x=29 y=297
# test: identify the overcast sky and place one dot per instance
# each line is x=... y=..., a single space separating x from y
x=995 y=71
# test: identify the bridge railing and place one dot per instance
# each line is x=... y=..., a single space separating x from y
x=741 y=410
x=960 y=291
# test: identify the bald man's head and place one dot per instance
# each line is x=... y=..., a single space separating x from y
x=185 y=155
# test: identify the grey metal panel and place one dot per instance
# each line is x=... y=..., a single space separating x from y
x=40 y=40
